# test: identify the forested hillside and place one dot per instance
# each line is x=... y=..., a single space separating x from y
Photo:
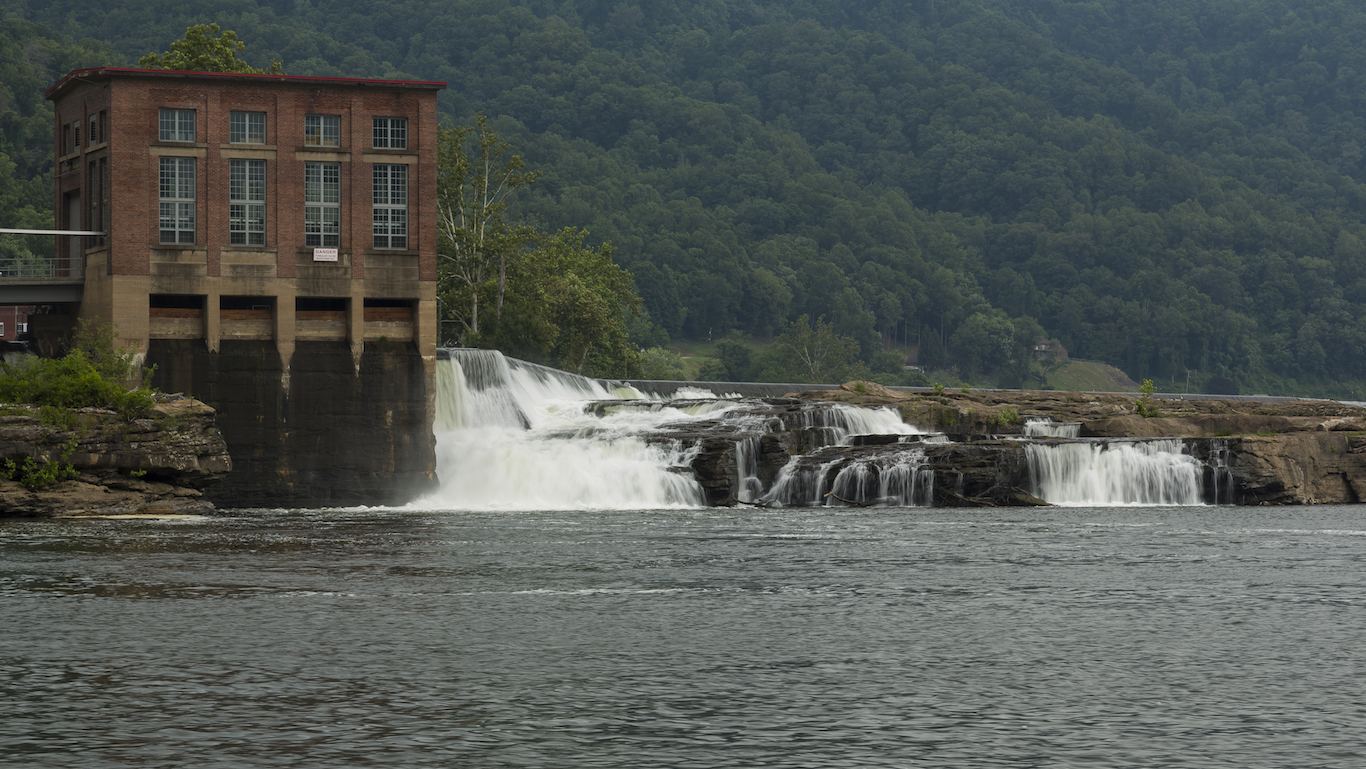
x=1166 y=187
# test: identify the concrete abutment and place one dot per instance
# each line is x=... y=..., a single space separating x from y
x=330 y=434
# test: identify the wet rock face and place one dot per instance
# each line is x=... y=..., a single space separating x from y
x=160 y=464
x=1304 y=468
x=744 y=449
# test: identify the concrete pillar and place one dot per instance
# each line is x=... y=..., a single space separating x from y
x=129 y=313
x=285 y=329
x=212 y=326
x=356 y=316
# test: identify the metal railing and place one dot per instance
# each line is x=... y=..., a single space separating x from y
x=21 y=260
x=35 y=268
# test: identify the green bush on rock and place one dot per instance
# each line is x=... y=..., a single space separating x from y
x=93 y=373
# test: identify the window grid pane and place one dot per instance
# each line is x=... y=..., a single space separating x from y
x=246 y=196
x=322 y=130
x=390 y=212
x=247 y=128
x=391 y=133
x=322 y=210
x=176 y=211
x=176 y=125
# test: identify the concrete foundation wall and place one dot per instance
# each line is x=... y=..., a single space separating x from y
x=327 y=432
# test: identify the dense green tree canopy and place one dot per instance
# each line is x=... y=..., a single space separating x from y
x=200 y=51
x=1166 y=187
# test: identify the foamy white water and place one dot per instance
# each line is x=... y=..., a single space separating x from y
x=1045 y=427
x=1154 y=472
x=517 y=436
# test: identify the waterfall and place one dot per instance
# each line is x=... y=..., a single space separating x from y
x=747 y=469
x=1147 y=472
x=1045 y=427
x=514 y=435
x=1221 y=476
x=896 y=478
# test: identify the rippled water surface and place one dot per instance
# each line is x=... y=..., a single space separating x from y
x=1056 y=637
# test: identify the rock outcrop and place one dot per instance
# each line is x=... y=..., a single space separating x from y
x=1288 y=452
x=1250 y=453
x=158 y=464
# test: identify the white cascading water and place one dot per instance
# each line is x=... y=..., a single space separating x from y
x=516 y=436
x=1148 y=472
x=891 y=478
x=1045 y=427
x=1222 y=476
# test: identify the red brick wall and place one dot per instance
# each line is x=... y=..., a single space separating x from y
x=133 y=103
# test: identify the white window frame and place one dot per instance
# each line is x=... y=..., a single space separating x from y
x=246 y=127
x=390 y=133
x=322 y=130
x=176 y=212
x=322 y=205
x=390 y=200
x=176 y=125
x=247 y=202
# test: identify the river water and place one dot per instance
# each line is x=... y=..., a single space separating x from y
x=1050 y=637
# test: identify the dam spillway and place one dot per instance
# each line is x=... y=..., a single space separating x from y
x=515 y=435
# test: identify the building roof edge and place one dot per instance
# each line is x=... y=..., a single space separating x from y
x=110 y=72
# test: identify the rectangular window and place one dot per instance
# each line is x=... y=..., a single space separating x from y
x=247 y=127
x=247 y=202
x=104 y=200
x=322 y=131
x=94 y=188
x=177 y=200
x=177 y=125
x=391 y=206
x=322 y=204
x=391 y=133
x=77 y=146
x=92 y=135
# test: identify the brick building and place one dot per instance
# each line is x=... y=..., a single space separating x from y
x=243 y=206
x=13 y=321
x=270 y=246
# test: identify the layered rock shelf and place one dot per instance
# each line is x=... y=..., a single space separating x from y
x=1285 y=452
x=156 y=465
x=976 y=448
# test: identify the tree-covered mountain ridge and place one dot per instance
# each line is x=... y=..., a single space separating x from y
x=1165 y=187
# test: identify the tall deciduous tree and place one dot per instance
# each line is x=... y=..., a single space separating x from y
x=204 y=49
x=568 y=304
x=476 y=178
x=815 y=353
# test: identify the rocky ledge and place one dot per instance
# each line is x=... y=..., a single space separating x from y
x=159 y=464
x=1300 y=452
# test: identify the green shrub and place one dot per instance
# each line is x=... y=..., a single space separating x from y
x=34 y=476
x=1145 y=406
x=94 y=373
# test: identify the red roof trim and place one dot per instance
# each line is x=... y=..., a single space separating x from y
x=76 y=74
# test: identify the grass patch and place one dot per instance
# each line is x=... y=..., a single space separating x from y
x=1083 y=376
